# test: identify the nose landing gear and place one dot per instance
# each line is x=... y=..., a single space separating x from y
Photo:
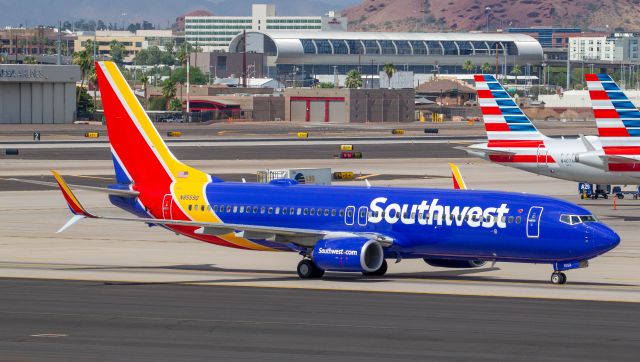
x=558 y=278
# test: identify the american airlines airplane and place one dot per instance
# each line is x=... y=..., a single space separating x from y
x=514 y=141
x=333 y=228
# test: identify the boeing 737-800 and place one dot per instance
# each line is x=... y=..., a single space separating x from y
x=333 y=228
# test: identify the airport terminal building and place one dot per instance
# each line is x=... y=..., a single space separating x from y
x=337 y=52
x=38 y=94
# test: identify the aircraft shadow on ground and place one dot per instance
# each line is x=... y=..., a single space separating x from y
x=290 y=275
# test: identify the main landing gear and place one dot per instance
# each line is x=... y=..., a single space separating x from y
x=558 y=278
x=307 y=269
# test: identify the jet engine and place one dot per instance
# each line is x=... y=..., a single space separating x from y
x=348 y=254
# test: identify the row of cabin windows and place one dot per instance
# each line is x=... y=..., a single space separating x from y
x=268 y=210
x=333 y=212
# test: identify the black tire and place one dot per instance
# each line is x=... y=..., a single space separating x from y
x=307 y=269
x=382 y=270
x=558 y=278
x=605 y=196
x=621 y=196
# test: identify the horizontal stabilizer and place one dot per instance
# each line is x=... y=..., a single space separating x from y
x=123 y=193
x=484 y=151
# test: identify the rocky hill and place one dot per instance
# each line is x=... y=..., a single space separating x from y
x=466 y=15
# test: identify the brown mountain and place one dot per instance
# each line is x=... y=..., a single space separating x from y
x=465 y=15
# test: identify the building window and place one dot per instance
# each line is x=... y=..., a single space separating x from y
x=435 y=48
x=324 y=47
x=450 y=48
x=372 y=47
x=340 y=47
x=481 y=47
x=403 y=47
x=355 y=47
x=387 y=47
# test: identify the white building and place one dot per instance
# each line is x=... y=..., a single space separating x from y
x=620 y=47
x=216 y=32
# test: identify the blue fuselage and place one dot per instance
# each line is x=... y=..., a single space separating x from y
x=458 y=224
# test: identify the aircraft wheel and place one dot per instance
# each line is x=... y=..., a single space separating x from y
x=307 y=269
x=558 y=278
x=382 y=270
x=606 y=196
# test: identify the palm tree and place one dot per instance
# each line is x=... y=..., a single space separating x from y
x=169 y=90
x=516 y=71
x=84 y=61
x=468 y=66
x=144 y=79
x=354 y=79
x=390 y=70
x=486 y=68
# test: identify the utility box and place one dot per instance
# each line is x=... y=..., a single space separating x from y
x=312 y=176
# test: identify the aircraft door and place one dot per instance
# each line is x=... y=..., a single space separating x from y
x=363 y=215
x=542 y=156
x=349 y=215
x=167 y=203
x=533 y=222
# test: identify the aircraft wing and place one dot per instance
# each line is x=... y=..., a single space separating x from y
x=484 y=151
x=124 y=193
x=303 y=237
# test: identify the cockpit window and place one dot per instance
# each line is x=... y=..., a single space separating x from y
x=577 y=219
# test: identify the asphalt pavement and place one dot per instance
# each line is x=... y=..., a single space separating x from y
x=93 y=321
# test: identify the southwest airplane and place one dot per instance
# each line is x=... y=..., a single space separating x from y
x=343 y=229
x=514 y=141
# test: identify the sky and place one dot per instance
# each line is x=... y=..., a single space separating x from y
x=48 y=12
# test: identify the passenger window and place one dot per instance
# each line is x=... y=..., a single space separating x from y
x=229 y=208
x=312 y=212
x=341 y=213
x=319 y=212
x=306 y=211
x=299 y=211
x=277 y=211
x=350 y=213
x=208 y=207
x=362 y=213
x=242 y=209
x=326 y=212
x=270 y=211
x=510 y=219
x=202 y=208
x=518 y=219
x=263 y=209
x=190 y=207
x=215 y=208
x=292 y=210
x=255 y=209
x=333 y=212
x=221 y=208
x=235 y=209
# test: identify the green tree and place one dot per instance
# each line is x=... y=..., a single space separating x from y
x=117 y=51
x=169 y=91
x=30 y=59
x=516 y=71
x=144 y=79
x=486 y=68
x=354 y=79
x=196 y=76
x=468 y=66
x=84 y=61
x=85 y=103
x=326 y=85
x=389 y=69
x=175 y=105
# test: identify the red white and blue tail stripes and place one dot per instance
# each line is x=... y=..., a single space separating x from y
x=506 y=124
x=617 y=119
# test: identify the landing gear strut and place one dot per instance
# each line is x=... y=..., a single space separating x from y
x=379 y=272
x=307 y=269
x=558 y=278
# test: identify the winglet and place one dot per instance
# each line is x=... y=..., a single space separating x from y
x=74 y=205
x=456 y=176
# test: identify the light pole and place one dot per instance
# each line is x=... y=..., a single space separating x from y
x=487 y=10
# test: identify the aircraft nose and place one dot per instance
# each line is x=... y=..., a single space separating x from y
x=605 y=238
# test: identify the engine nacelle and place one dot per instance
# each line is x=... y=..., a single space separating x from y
x=451 y=263
x=348 y=254
x=591 y=158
